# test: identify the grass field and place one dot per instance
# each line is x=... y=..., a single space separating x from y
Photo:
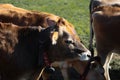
x=75 y=11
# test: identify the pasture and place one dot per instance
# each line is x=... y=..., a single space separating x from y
x=76 y=12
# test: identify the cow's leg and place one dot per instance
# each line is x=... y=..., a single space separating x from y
x=93 y=4
x=91 y=39
x=104 y=53
x=91 y=30
x=106 y=65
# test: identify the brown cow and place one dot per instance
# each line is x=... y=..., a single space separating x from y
x=64 y=41
x=19 y=49
x=105 y=18
x=22 y=17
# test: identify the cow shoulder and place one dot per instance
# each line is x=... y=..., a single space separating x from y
x=8 y=37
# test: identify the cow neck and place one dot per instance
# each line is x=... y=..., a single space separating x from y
x=44 y=44
x=45 y=54
x=84 y=74
x=87 y=69
x=47 y=62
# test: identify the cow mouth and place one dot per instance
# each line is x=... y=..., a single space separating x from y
x=84 y=56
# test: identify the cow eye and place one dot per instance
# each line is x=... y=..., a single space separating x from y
x=68 y=41
x=81 y=41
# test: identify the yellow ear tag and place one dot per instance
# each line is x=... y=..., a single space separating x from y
x=54 y=37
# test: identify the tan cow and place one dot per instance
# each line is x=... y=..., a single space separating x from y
x=105 y=23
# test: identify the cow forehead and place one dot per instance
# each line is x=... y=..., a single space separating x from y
x=71 y=31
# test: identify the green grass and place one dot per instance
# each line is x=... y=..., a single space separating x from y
x=75 y=11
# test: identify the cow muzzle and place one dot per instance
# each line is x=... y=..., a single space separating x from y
x=84 y=56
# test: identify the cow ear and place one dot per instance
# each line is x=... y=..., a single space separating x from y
x=58 y=31
x=51 y=22
x=61 y=22
x=54 y=33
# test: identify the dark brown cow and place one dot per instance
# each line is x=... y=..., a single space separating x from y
x=105 y=18
x=65 y=43
x=67 y=37
x=19 y=50
x=24 y=17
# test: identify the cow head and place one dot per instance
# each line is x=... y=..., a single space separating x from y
x=65 y=43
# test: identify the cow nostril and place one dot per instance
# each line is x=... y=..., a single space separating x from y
x=88 y=55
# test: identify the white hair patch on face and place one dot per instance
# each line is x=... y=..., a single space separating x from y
x=61 y=29
x=85 y=56
x=54 y=38
x=54 y=42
